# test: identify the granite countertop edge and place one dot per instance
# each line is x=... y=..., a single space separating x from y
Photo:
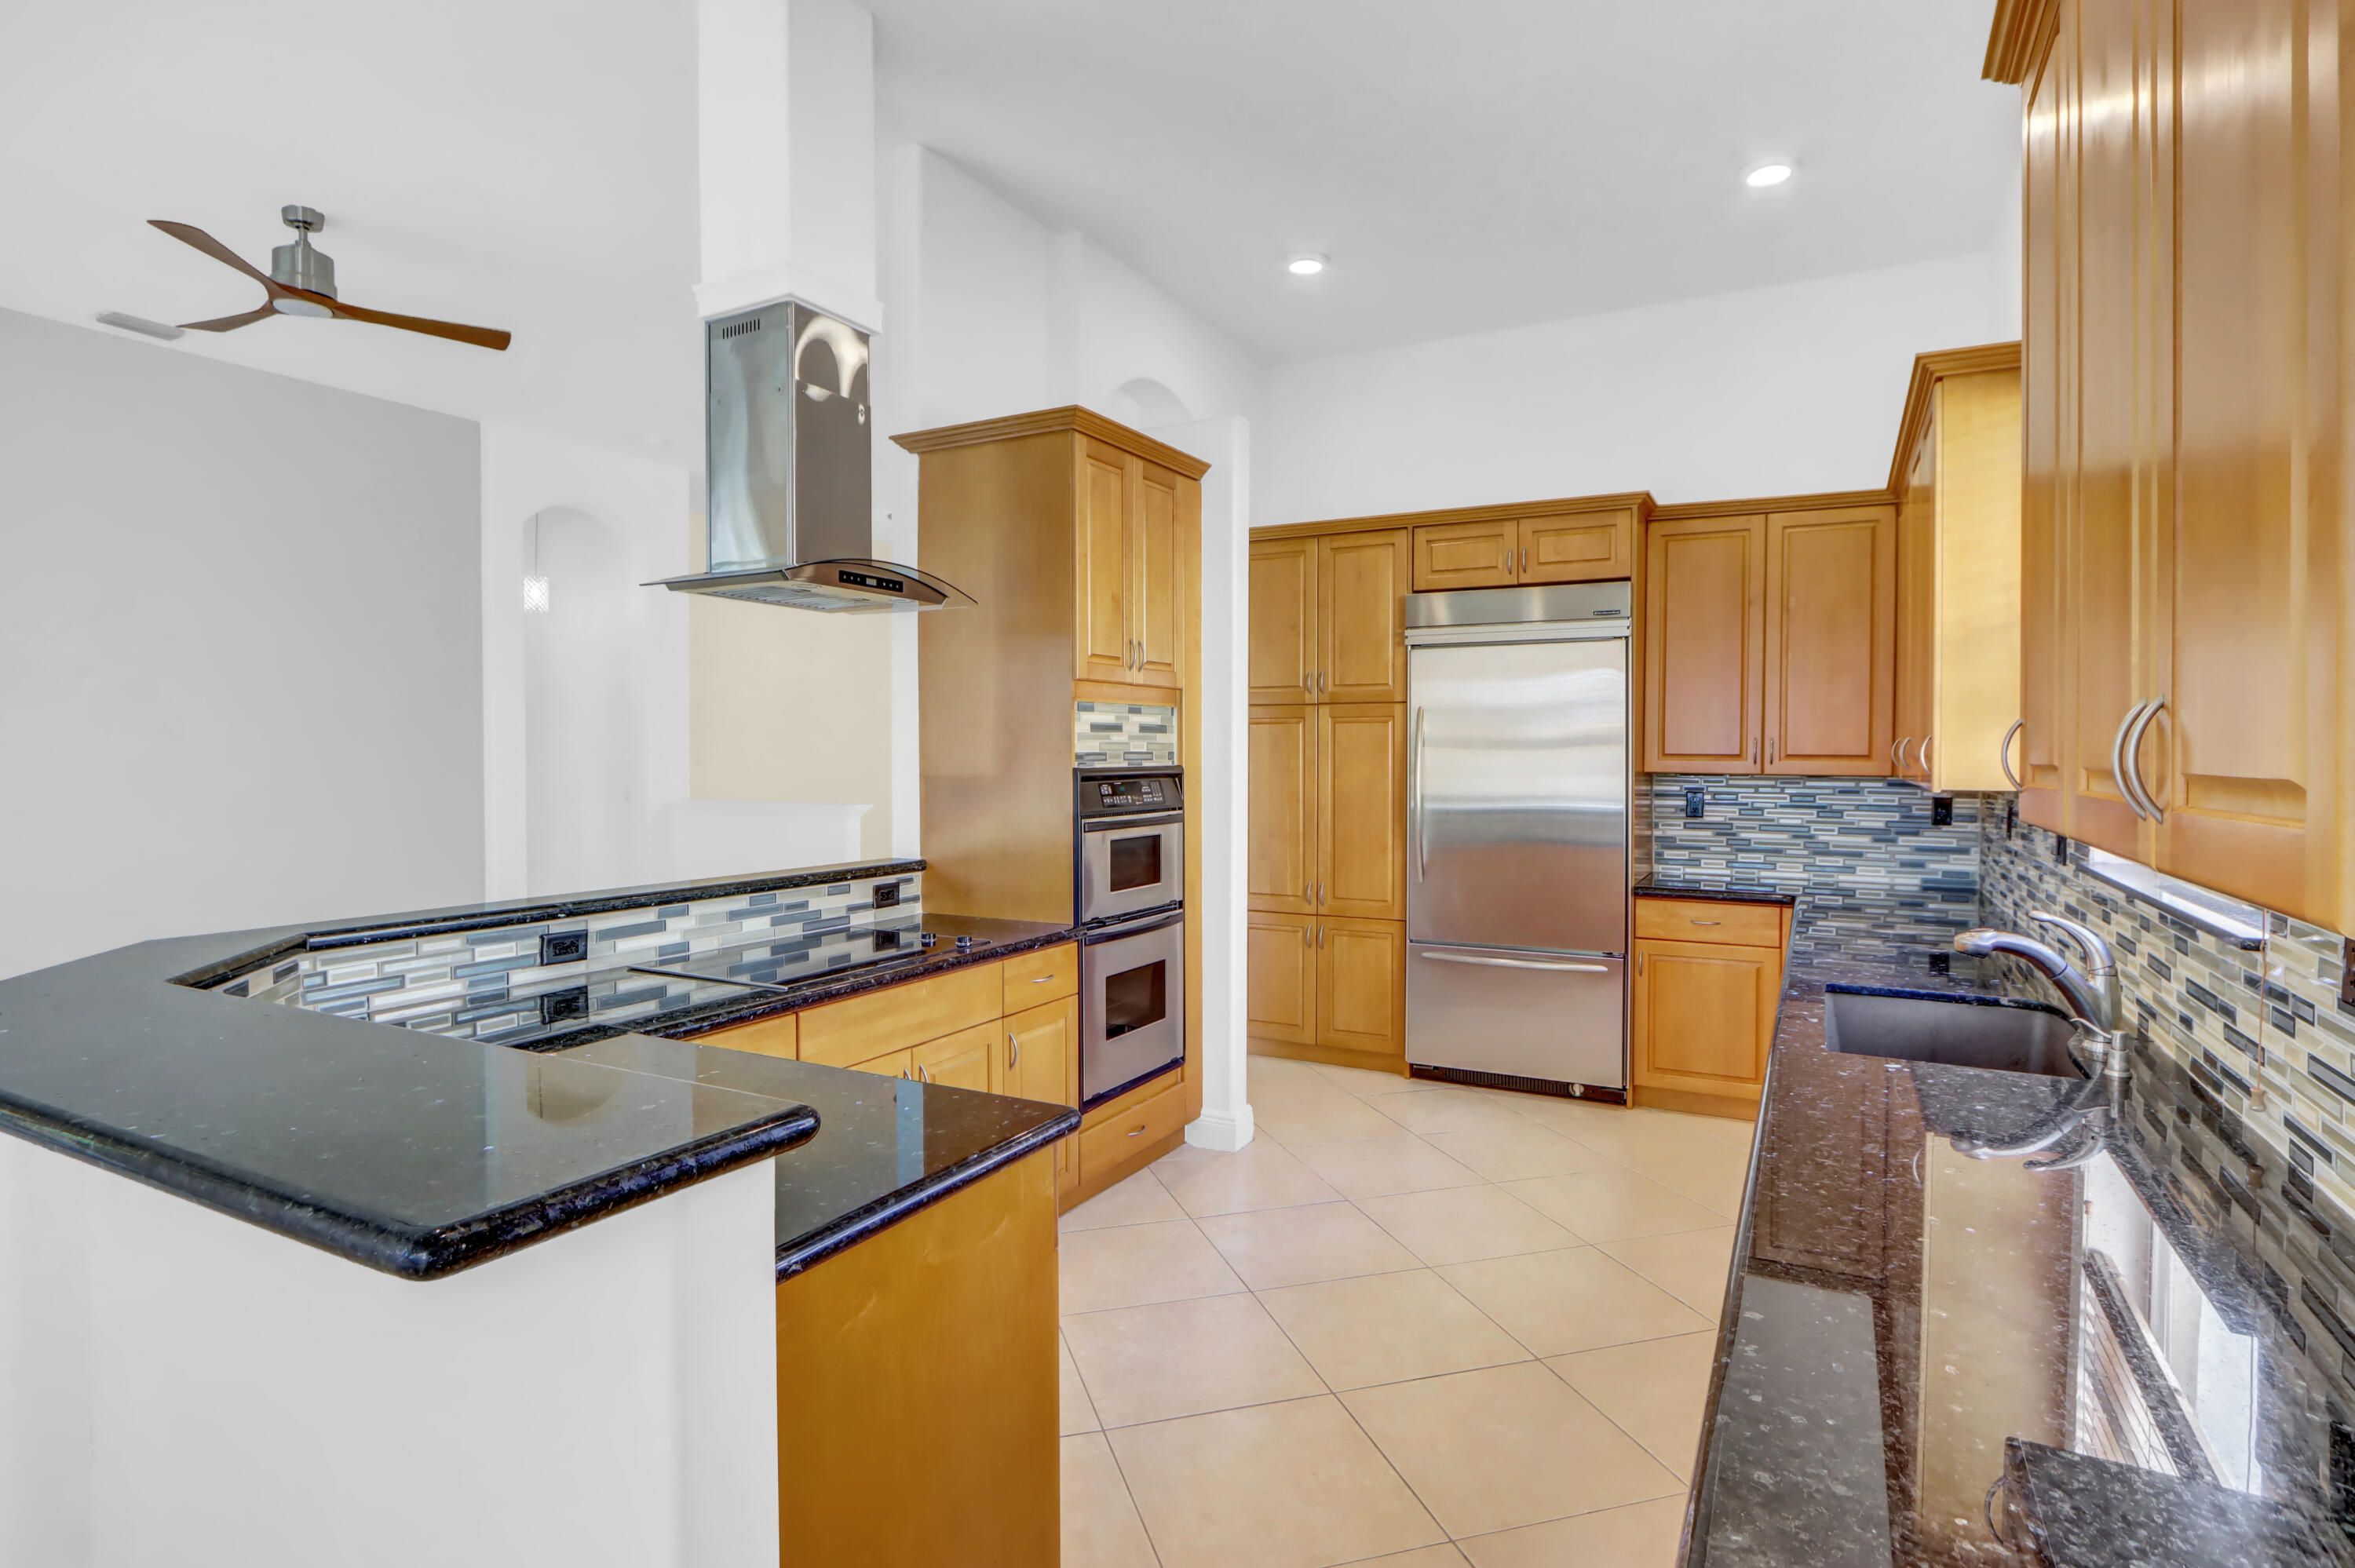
x=1715 y=892
x=814 y=1246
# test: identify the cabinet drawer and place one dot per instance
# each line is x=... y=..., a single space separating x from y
x=779 y=1036
x=1105 y=1145
x=1700 y=920
x=1041 y=976
x=843 y=1033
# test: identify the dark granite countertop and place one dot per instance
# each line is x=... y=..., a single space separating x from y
x=421 y=1154
x=2135 y=1324
x=1722 y=892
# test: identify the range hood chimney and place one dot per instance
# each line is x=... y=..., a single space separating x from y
x=788 y=437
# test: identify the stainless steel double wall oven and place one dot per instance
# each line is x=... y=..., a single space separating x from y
x=1129 y=882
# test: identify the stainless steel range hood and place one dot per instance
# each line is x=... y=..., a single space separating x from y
x=788 y=437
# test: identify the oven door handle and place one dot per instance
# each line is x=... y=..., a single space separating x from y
x=1143 y=927
x=1516 y=963
x=1118 y=824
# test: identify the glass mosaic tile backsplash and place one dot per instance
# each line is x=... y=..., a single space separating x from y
x=1124 y=734
x=1872 y=873
x=492 y=985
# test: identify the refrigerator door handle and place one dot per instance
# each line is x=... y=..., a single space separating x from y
x=1414 y=801
x=1516 y=963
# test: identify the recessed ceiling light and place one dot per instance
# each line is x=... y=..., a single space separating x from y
x=1307 y=264
x=1767 y=175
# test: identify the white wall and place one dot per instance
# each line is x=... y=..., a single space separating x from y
x=239 y=648
x=1770 y=392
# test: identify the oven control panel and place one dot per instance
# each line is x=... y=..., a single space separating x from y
x=1103 y=794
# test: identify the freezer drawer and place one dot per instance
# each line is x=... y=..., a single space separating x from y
x=1557 y=1016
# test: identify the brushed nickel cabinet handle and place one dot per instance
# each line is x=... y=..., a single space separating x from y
x=2003 y=753
x=1137 y=1131
x=2133 y=775
x=1320 y=896
x=1770 y=754
x=1639 y=966
x=1320 y=936
x=2118 y=759
x=1525 y=563
x=1042 y=980
x=1709 y=922
x=1893 y=763
x=1902 y=742
x=1507 y=564
x=1924 y=757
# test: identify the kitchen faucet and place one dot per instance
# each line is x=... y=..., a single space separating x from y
x=2092 y=992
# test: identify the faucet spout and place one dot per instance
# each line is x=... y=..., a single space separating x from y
x=2091 y=993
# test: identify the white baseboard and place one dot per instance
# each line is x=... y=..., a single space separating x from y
x=1215 y=1129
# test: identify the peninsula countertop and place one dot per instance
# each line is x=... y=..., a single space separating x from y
x=2147 y=1347
x=420 y=1153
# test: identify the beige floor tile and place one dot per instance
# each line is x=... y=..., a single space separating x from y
x=1101 y=1529
x=1329 y=1117
x=1734 y=1129
x=1642 y=1535
x=1613 y=1204
x=1448 y=1111
x=1260 y=1176
x=1130 y=1266
x=1273 y=1486
x=1266 y=1072
x=1373 y=1166
x=1516 y=1152
x=1384 y=1328
x=1422 y=1557
x=1358 y=1081
x=1690 y=1265
x=1079 y=1411
x=1653 y=1388
x=1697 y=1166
x=1137 y=1200
x=1458 y=1224
x=1560 y=1302
x=1273 y=1247
x=1506 y=1447
x=1184 y=1358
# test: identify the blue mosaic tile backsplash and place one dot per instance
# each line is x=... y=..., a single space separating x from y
x=1872 y=876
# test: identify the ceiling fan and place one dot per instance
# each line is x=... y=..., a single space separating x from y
x=301 y=283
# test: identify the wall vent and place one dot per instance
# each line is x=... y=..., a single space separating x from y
x=737 y=329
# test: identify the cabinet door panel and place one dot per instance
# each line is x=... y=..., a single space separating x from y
x=1157 y=610
x=1361 y=985
x=1283 y=621
x=1281 y=992
x=1831 y=641
x=1362 y=810
x=1464 y=554
x=1281 y=860
x=2243 y=758
x=1704 y=1016
x=2037 y=754
x=1362 y=621
x=1102 y=575
x=1594 y=547
x=1704 y=591
x=967 y=1059
x=1040 y=1060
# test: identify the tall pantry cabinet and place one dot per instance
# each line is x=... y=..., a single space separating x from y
x=2186 y=543
x=1326 y=878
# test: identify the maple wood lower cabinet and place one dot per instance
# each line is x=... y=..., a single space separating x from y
x=1334 y=990
x=1708 y=976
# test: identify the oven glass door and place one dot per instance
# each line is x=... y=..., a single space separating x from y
x=1133 y=1007
x=1126 y=868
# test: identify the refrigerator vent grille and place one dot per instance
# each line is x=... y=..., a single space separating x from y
x=1478 y=1079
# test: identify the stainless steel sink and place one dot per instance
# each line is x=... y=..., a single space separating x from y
x=1958 y=1032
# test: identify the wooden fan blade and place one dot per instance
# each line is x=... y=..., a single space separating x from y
x=481 y=337
x=189 y=234
x=230 y=324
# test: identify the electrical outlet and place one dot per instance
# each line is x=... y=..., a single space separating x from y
x=887 y=896
x=2011 y=815
x=563 y=946
x=1695 y=799
x=2060 y=850
x=2346 y=972
x=1941 y=811
x=557 y=1005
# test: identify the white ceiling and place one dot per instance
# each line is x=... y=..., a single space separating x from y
x=1470 y=164
x=517 y=164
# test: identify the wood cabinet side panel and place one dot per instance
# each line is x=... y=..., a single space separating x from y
x=1976 y=587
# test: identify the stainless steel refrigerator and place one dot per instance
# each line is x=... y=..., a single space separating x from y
x=1518 y=788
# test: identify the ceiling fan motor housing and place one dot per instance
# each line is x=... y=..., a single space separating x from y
x=297 y=266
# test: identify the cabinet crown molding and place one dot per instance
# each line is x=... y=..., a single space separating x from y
x=2020 y=39
x=1070 y=418
x=1639 y=502
x=1928 y=368
x=1827 y=501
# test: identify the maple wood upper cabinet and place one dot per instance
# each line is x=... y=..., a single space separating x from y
x=2186 y=540
x=1959 y=550
x=1328 y=618
x=1703 y=630
x=1129 y=587
x=1564 y=547
x=1770 y=642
